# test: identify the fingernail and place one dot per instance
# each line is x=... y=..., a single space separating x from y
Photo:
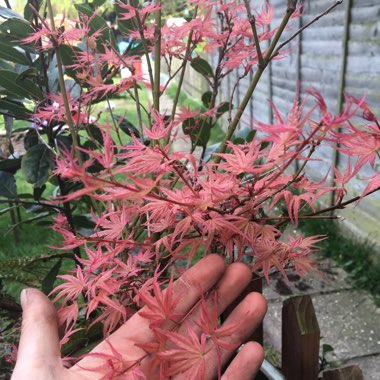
x=24 y=297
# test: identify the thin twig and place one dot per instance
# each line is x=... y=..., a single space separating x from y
x=145 y=46
x=252 y=21
x=232 y=127
x=299 y=31
x=182 y=76
x=26 y=203
x=157 y=59
x=61 y=80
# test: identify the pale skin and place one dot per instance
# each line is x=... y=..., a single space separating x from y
x=39 y=354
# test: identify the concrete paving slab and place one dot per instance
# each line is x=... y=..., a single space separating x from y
x=349 y=321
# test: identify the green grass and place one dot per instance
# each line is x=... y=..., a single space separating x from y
x=35 y=237
x=355 y=256
x=34 y=240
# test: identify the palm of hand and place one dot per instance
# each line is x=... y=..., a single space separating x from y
x=39 y=353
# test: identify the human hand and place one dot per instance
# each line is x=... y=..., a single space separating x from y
x=39 y=355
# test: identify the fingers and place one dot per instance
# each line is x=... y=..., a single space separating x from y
x=189 y=287
x=246 y=317
x=39 y=342
x=246 y=363
x=235 y=279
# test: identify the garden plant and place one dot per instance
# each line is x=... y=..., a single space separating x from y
x=133 y=212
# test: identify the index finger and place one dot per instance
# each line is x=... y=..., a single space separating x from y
x=189 y=287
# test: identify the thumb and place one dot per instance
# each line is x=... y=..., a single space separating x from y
x=39 y=343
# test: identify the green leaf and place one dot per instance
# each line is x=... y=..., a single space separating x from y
x=326 y=348
x=17 y=86
x=98 y=3
x=206 y=99
x=31 y=139
x=28 y=13
x=15 y=109
x=198 y=129
x=47 y=283
x=7 y=185
x=64 y=142
x=10 y=165
x=16 y=29
x=9 y=13
x=10 y=53
x=202 y=67
x=84 y=221
x=127 y=127
x=38 y=191
x=98 y=24
x=136 y=49
x=95 y=133
x=30 y=73
x=36 y=164
x=125 y=26
x=5 y=65
x=68 y=55
x=245 y=134
x=223 y=108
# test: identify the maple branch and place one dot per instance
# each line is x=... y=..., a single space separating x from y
x=138 y=109
x=179 y=173
x=231 y=129
x=342 y=205
x=26 y=203
x=286 y=218
x=299 y=31
x=182 y=76
x=252 y=21
x=145 y=46
x=61 y=80
x=157 y=59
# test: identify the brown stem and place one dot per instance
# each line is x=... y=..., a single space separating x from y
x=15 y=230
x=299 y=31
x=182 y=76
x=252 y=21
x=157 y=59
x=145 y=47
x=231 y=129
x=342 y=205
x=61 y=80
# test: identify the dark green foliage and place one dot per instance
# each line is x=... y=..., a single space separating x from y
x=36 y=164
x=202 y=67
x=7 y=185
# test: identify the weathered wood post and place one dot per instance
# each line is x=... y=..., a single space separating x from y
x=300 y=339
x=352 y=372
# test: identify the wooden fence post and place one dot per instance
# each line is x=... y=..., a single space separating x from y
x=352 y=372
x=300 y=339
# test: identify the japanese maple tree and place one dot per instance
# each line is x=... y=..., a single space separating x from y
x=155 y=209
